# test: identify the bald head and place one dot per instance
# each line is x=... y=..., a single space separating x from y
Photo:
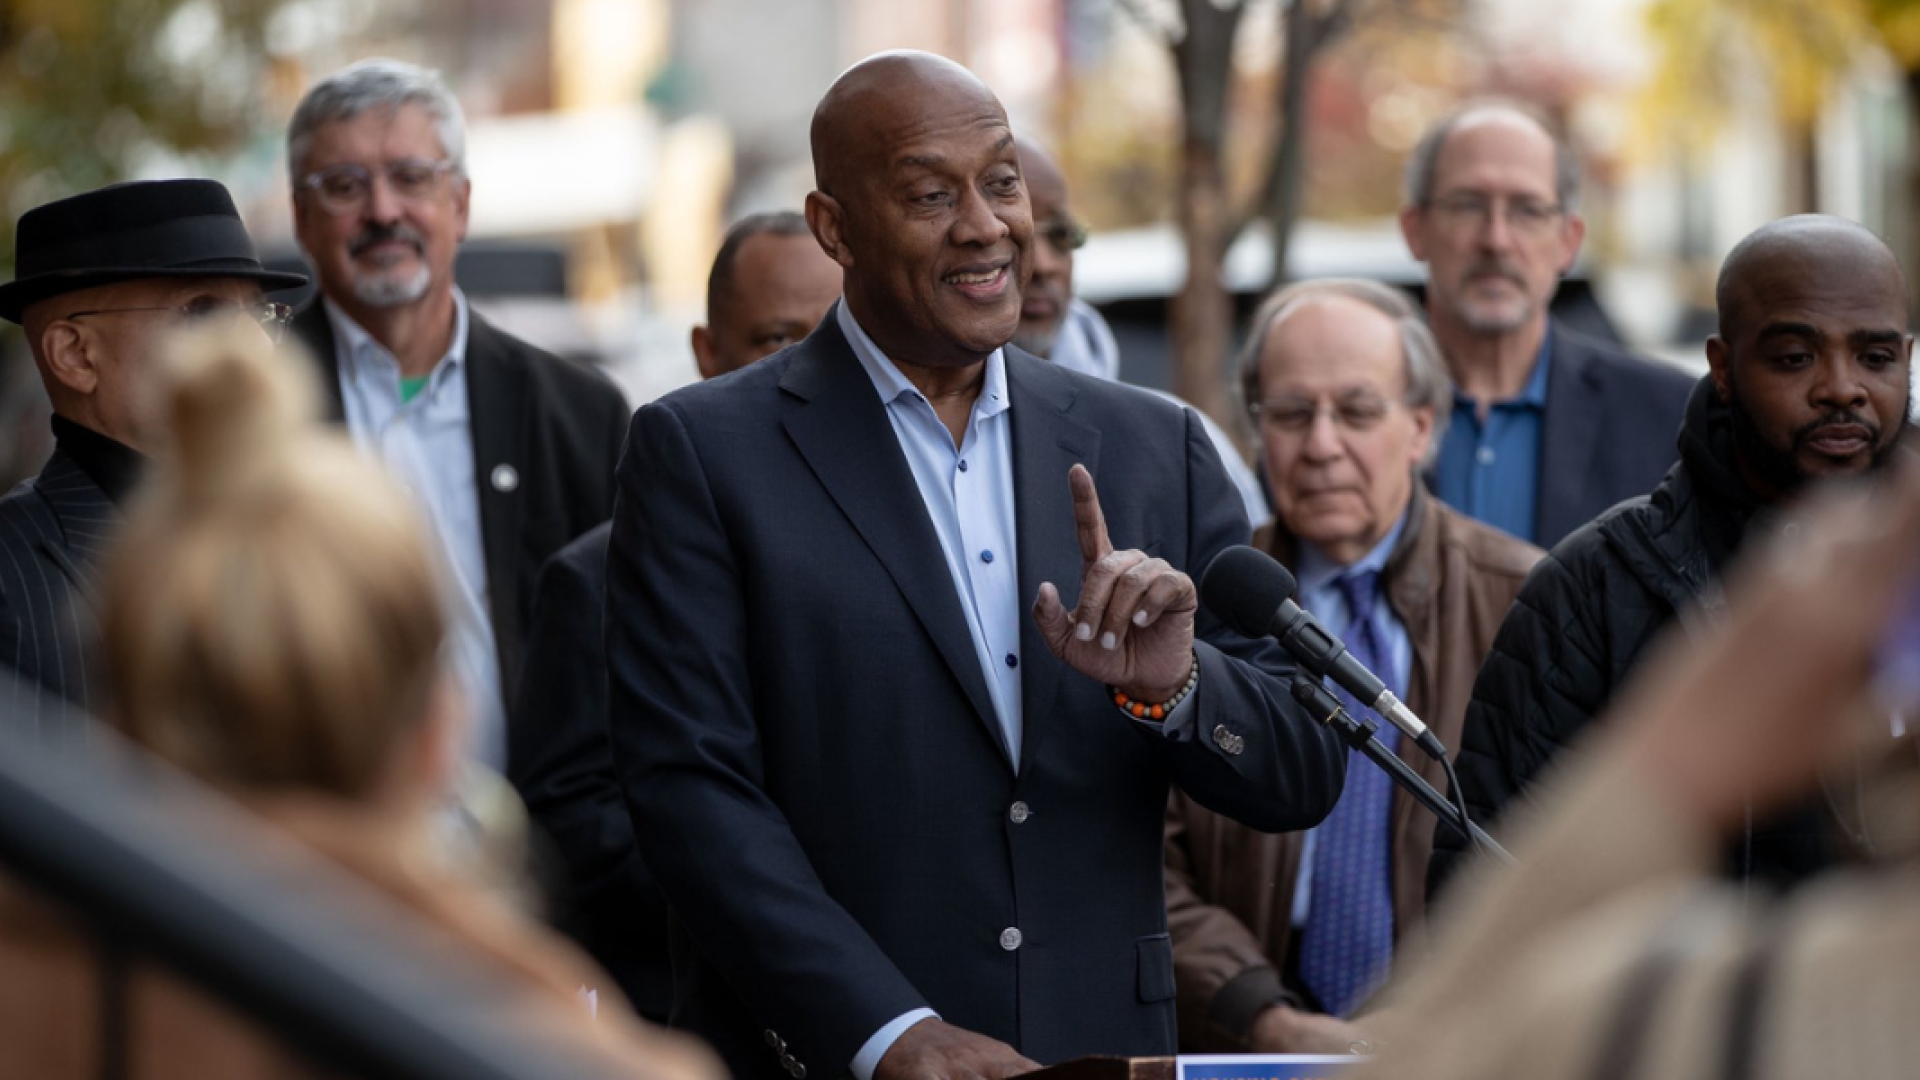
x=1049 y=293
x=1805 y=246
x=1812 y=357
x=920 y=201
x=878 y=100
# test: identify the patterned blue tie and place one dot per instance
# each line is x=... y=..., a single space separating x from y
x=1348 y=942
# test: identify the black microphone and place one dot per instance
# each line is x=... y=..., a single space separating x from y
x=1253 y=594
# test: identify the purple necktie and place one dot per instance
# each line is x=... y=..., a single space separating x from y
x=1348 y=942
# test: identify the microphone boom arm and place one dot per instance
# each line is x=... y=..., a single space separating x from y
x=1325 y=709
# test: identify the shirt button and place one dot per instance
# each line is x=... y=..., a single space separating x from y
x=986 y=556
x=1485 y=456
x=1010 y=938
x=963 y=464
x=1018 y=813
x=1012 y=660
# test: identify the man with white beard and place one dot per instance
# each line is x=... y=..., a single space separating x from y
x=510 y=449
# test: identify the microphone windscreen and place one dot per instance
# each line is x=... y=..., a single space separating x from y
x=1244 y=588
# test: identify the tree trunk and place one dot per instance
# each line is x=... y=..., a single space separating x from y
x=1201 y=315
x=1201 y=318
x=1282 y=206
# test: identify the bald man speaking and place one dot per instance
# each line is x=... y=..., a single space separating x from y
x=877 y=640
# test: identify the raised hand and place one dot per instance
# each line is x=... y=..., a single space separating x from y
x=1133 y=628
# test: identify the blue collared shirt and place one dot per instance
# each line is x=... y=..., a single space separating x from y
x=427 y=443
x=968 y=492
x=1319 y=595
x=1491 y=471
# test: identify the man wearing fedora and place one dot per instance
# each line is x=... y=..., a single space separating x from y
x=101 y=277
x=510 y=449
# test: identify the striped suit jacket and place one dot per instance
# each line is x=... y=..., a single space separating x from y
x=53 y=530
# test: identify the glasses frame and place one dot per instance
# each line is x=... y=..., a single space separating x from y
x=311 y=182
x=271 y=315
x=1065 y=235
x=1267 y=412
x=1475 y=210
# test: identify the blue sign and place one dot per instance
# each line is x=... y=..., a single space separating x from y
x=1264 y=1066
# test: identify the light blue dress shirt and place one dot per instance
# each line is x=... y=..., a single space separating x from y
x=1319 y=595
x=1491 y=471
x=968 y=492
x=427 y=443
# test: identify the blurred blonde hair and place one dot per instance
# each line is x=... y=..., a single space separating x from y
x=271 y=609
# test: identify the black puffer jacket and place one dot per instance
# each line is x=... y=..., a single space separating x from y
x=1587 y=613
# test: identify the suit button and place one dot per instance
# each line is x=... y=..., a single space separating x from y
x=797 y=1071
x=775 y=1041
x=1010 y=938
x=1227 y=740
x=787 y=1062
x=1018 y=813
x=505 y=478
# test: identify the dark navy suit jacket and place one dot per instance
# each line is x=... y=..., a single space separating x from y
x=1609 y=433
x=804 y=735
x=557 y=757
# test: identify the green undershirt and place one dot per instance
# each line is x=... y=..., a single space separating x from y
x=410 y=387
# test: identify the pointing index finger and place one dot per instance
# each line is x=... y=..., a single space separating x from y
x=1089 y=522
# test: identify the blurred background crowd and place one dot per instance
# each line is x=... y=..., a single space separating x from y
x=1214 y=146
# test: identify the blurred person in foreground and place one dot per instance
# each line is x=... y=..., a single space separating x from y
x=906 y=803
x=1280 y=939
x=769 y=287
x=100 y=277
x=1059 y=327
x=272 y=622
x=1613 y=948
x=1549 y=427
x=509 y=448
x=1808 y=380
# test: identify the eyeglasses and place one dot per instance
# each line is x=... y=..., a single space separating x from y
x=272 y=317
x=343 y=189
x=1473 y=211
x=1296 y=416
x=1063 y=234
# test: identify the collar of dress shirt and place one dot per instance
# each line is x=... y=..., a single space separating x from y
x=1533 y=395
x=356 y=347
x=1317 y=571
x=891 y=384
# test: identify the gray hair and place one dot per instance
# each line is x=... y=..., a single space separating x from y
x=378 y=83
x=1423 y=163
x=1428 y=384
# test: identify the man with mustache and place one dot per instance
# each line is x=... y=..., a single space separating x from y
x=1808 y=381
x=897 y=694
x=1549 y=427
x=510 y=449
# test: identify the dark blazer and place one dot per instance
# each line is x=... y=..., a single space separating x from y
x=53 y=530
x=557 y=756
x=1608 y=433
x=556 y=424
x=814 y=767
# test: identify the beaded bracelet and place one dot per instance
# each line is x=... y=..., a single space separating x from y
x=1140 y=710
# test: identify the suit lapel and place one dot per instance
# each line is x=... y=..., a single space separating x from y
x=313 y=330
x=1047 y=441
x=495 y=389
x=840 y=427
x=1569 y=437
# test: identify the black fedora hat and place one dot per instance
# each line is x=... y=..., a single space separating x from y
x=122 y=232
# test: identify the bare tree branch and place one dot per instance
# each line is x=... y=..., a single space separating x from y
x=1146 y=21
